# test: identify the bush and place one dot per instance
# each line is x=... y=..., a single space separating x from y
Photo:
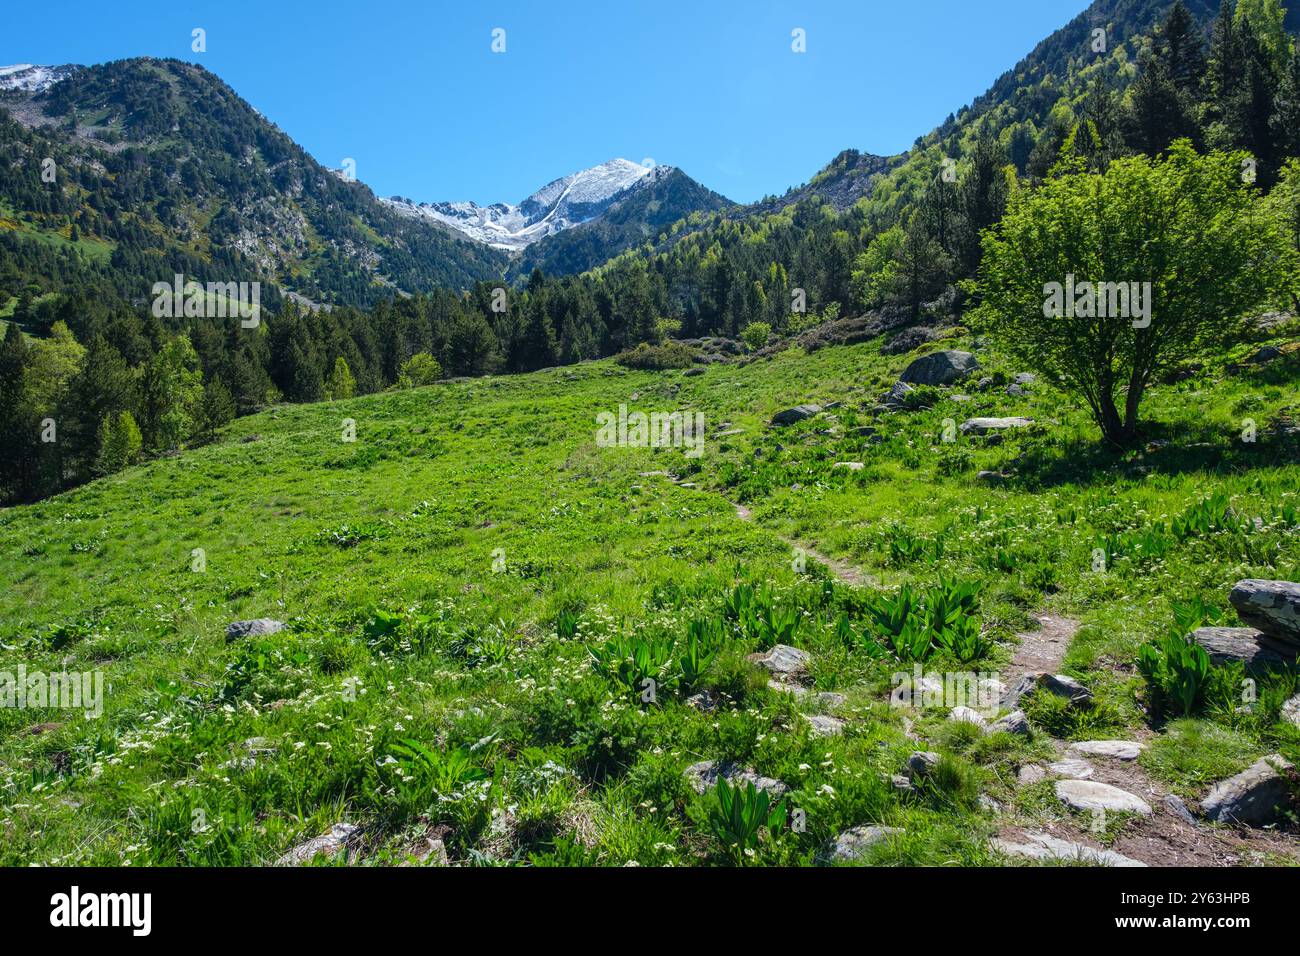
x=420 y=369
x=756 y=335
x=655 y=357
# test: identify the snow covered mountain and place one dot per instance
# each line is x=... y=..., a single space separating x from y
x=33 y=79
x=559 y=205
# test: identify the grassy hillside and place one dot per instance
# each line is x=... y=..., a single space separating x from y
x=445 y=575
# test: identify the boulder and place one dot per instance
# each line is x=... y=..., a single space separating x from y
x=1118 y=749
x=854 y=842
x=1013 y=723
x=789 y=416
x=920 y=763
x=1270 y=606
x=255 y=628
x=1253 y=648
x=783 y=660
x=983 y=426
x=1063 y=686
x=704 y=776
x=940 y=368
x=1253 y=797
x=1040 y=846
x=1089 y=795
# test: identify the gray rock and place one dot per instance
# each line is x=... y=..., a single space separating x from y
x=983 y=426
x=1291 y=711
x=1013 y=723
x=920 y=763
x=1022 y=685
x=1253 y=797
x=821 y=725
x=327 y=844
x=1040 y=846
x=1030 y=774
x=1024 y=378
x=1016 y=391
x=1090 y=795
x=940 y=368
x=1271 y=606
x=831 y=699
x=786 y=688
x=1118 y=749
x=854 y=842
x=990 y=476
x=901 y=784
x=693 y=370
x=1071 y=768
x=849 y=465
x=1175 y=805
x=783 y=660
x=988 y=804
x=706 y=701
x=704 y=776
x=1067 y=687
x=789 y=416
x=1253 y=648
x=967 y=715
x=896 y=395
x=255 y=628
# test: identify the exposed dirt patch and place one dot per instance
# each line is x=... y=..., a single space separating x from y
x=1042 y=650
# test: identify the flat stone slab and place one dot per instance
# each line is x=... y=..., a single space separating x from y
x=1252 y=647
x=256 y=628
x=983 y=426
x=1271 y=606
x=1118 y=749
x=704 y=776
x=1253 y=797
x=1090 y=795
x=1040 y=846
x=1030 y=774
x=783 y=659
x=854 y=842
x=1070 y=767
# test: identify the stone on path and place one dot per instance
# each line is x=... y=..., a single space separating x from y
x=1174 y=804
x=1252 y=797
x=1090 y=795
x=1067 y=687
x=1118 y=749
x=1030 y=774
x=1071 y=768
x=1040 y=846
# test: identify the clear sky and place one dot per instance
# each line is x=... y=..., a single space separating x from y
x=413 y=92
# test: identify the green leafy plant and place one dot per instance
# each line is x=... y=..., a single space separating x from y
x=738 y=817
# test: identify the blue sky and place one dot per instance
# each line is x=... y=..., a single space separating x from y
x=414 y=94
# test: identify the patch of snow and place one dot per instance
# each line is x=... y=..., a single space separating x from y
x=28 y=78
x=559 y=205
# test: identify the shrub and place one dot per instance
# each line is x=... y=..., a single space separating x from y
x=756 y=335
x=647 y=357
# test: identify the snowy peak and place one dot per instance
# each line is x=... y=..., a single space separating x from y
x=26 y=78
x=559 y=205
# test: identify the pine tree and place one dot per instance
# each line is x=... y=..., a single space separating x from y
x=1285 y=122
x=218 y=407
x=119 y=443
x=17 y=423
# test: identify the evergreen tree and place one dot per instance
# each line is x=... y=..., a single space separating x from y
x=119 y=443
x=341 y=384
x=218 y=407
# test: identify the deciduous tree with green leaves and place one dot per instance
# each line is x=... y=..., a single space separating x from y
x=1185 y=223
